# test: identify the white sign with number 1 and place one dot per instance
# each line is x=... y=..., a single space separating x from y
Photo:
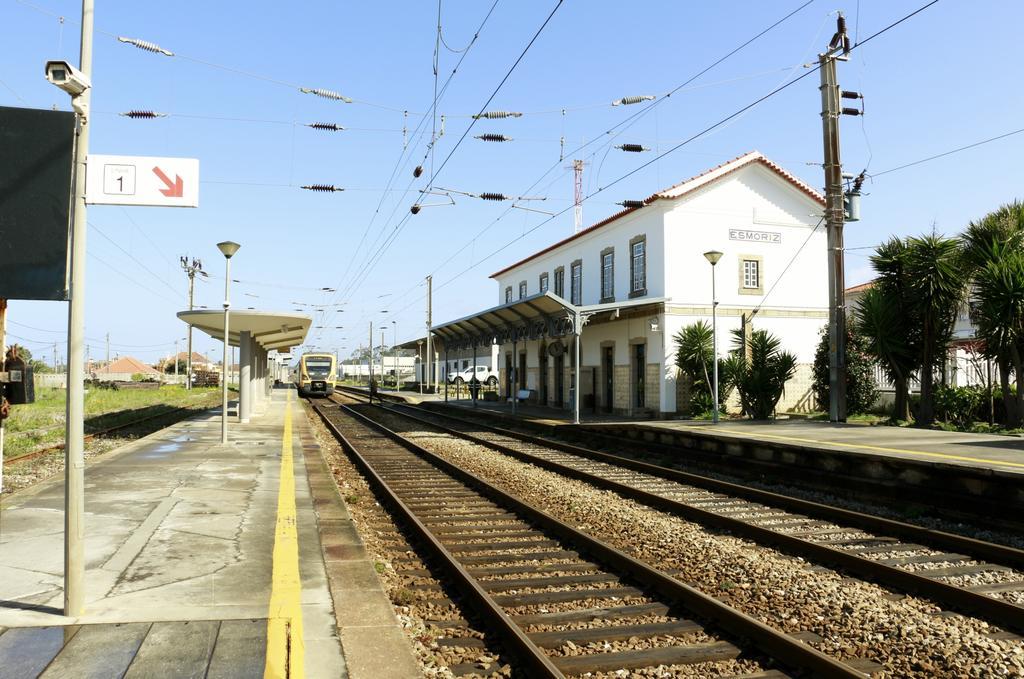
x=142 y=180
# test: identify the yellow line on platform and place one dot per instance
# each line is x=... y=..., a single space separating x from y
x=862 y=446
x=285 y=647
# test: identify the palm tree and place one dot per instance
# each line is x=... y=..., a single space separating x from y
x=761 y=380
x=935 y=278
x=887 y=319
x=987 y=243
x=694 y=348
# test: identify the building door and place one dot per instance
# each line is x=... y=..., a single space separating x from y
x=522 y=370
x=608 y=361
x=543 y=383
x=509 y=383
x=639 y=374
x=559 y=380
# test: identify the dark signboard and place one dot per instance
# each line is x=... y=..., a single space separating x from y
x=35 y=197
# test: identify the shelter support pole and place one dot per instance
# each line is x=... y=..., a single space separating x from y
x=578 y=327
x=515 y=377
x=244 y=375
x=473 y=386
x=446 y=372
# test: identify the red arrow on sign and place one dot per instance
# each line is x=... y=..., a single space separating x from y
x=175 y=189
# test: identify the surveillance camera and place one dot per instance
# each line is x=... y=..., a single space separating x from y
x=67 y=77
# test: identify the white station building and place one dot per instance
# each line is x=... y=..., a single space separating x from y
x=636 y=278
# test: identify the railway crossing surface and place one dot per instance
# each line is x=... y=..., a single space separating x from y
x=202 y=560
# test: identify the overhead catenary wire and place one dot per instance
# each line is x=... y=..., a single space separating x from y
x=678 y=146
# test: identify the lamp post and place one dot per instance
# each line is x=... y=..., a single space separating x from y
x=713 y=256
x=394 y=326
x=228 y=249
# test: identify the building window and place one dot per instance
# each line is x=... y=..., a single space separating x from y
x=608 y=275
x=576 y=283
x=543 y=283
x=638 y=266
x=751 y=275
x=560 y=282
x=508 y=294
x=522 y=289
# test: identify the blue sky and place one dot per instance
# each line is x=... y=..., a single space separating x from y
x=934 y=83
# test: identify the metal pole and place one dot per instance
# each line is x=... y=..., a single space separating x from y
x=474 y=388
x=382 y=357
x=188 y=364
x=398 y=379
x=714 y=347
x=74 y=434
x=369 y=359
x=3 y=354
x=578 y=327
x=175 y=361
x=834 y=216
x=445 y=370
x=227 y=342
x=430 y=344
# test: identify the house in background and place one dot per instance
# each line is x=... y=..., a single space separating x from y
x=640 y=276
x=122 y=368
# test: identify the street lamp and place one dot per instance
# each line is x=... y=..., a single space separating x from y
x=713 y=256
x=228 y=249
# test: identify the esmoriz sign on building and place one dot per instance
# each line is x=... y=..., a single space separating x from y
x=750 y=236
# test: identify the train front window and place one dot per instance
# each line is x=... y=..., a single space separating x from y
x=318 y=367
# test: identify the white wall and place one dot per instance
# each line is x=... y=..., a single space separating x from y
x=647 y=221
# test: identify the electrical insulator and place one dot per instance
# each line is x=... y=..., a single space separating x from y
x=326 y=94
x=417 y=172
x=847 y=94
x=490 y=136
x=142 y=114
x=631 y=204
x=847 y=111
x=145 y=45
x=326 y=188
x=632 y=148
x=415 y=209
x=493 y=196
x=495 y=115
x=626 y=101
x=329 y=127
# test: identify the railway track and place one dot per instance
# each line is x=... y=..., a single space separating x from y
x=956 y=572
x=544 y=587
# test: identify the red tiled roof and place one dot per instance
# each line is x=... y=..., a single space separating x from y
x=679 y=190
x=127 y=364
x=859 y=288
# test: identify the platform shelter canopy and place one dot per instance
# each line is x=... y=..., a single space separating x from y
x=270 y=330
x=541 y=315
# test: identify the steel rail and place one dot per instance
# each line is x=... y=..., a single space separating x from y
x=791 y=652
x=996 y=610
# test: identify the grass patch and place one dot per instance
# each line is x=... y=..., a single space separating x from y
x=41 y=423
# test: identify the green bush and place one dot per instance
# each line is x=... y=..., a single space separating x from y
x=958 y=406
x=761 y=380
x=861 y=389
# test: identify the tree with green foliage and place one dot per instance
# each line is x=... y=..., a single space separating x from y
x=993 y=252
x=861 y=388
x=936 y=278
x=761 y=380
x=694 y=349
x=887 y=320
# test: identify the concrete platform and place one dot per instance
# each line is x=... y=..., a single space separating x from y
x=179 y=529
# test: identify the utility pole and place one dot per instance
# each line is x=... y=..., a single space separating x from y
x=430 y=344
x=191 y=267
x=108 y=352
x=382 y=355
x=831 y=109
x=74 y=431
x=577 y=212
x=3 y=358
x=54 y=357
x=369 y=359
x=175 y=361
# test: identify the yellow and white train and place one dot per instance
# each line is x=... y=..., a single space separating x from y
x=316 y=374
